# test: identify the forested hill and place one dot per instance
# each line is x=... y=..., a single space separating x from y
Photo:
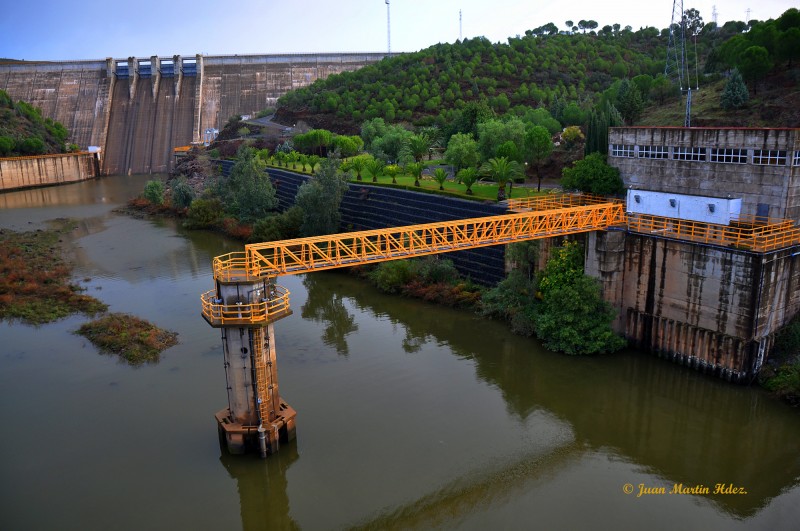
x=565 y=72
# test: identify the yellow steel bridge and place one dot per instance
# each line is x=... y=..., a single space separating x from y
x=532 y=218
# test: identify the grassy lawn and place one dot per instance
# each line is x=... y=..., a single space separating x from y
x=486 y=191
x=480 y=190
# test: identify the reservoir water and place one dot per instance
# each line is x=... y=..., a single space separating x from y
x=410 y=416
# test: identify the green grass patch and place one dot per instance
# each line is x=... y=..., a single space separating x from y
x=480 y=191
x=133 y=339
x=35 y=282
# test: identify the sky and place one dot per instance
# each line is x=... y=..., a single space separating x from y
x=93 y=29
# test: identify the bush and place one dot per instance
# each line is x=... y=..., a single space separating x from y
x=592 y=175
x=6 y=145
x=572 y=317
x=154 y=192
x=182 y=193
x=432 y=270
x=204 y=214
x=278 y=226
x=390 y=277
x=787 y=340
x=786 y=381
x=32 y=145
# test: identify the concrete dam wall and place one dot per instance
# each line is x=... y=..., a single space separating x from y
x=138 y=109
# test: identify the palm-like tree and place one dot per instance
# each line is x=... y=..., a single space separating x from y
x=294 y=158
x=502 y=170
x=303 y=160
x=419 y=146
x=435 y=135
x=357 y=164
x=375 y=168
x=313 y=160
x=415 y=170
x=279 y=157
x=468 y=177
x=440 y=176
x=392 y=170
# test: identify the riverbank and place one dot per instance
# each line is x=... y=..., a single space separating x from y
x=36 y=288
x=35 y=281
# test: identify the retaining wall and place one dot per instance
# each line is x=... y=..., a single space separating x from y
x=46 y=170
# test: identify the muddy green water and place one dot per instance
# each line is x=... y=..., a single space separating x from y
x=409 y=415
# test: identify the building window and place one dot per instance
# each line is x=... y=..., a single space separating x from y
x=729 y=156
x=689 y=153
x=619 y=150
x=772 y=157
x=653 y=152
x=796 y=161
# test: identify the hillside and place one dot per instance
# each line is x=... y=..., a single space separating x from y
x=775 y=104
x=568 y=73
x=23 y=130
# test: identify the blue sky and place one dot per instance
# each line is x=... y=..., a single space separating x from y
x=91 y=29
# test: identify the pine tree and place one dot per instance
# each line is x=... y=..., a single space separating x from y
x=734 y=95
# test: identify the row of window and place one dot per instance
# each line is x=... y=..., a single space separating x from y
x=763 y=157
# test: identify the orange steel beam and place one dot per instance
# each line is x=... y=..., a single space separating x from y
x=303 y=255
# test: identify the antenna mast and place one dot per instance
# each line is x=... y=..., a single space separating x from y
x=459 y=25
x=388 y=29
x=676 y=67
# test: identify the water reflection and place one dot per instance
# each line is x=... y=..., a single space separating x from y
x=325 y=305
x=262 y=486
x=677 y=424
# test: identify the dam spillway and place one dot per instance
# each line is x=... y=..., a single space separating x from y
x=137 y=109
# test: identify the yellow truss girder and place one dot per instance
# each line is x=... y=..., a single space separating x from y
x=302 y=255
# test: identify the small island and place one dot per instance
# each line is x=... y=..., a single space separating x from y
x=133 y=339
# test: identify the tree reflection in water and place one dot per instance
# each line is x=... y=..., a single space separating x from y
x=325 y=305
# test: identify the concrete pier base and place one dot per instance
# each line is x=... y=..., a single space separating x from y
x=240 y=439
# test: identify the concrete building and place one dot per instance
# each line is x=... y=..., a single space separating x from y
x=760 y=166
x=710 y=294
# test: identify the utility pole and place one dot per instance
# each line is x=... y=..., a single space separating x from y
x=388 y=29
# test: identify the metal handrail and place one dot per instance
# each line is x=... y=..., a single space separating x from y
x=261 y=312
x=753 y=237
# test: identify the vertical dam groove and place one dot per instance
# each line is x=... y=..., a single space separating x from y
x=137 y=110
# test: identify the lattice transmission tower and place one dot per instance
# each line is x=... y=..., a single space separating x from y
x=676 y=68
